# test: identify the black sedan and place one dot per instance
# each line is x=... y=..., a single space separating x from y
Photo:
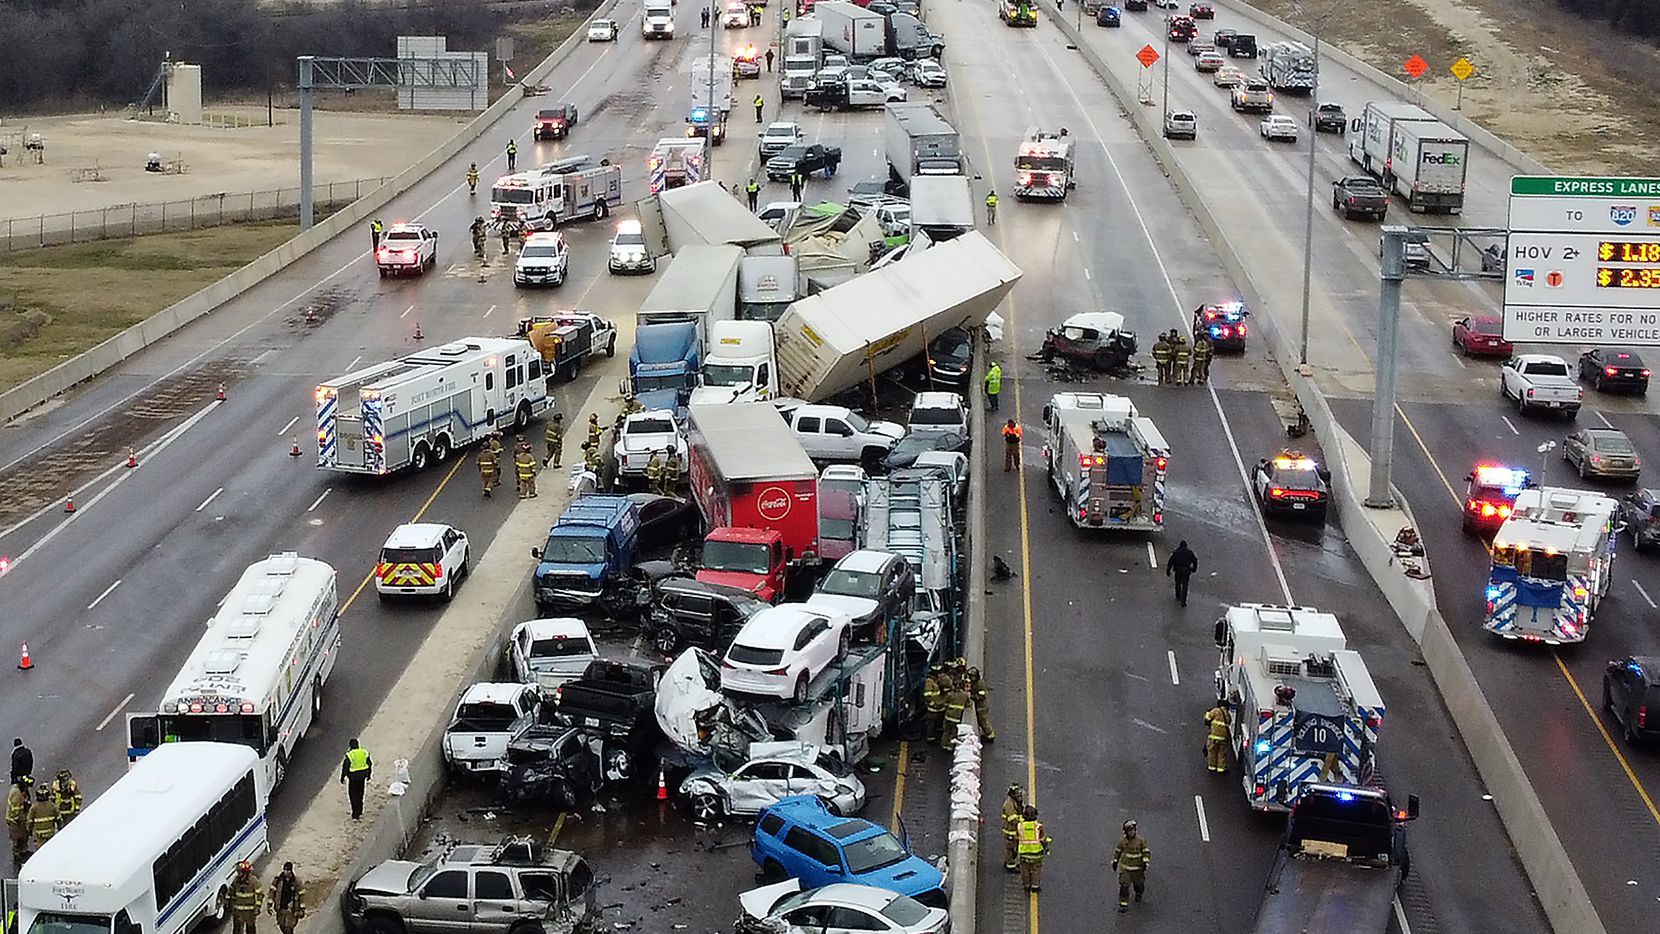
x=1612 y=368
x=951 y=357
x=905 y=453
x=1291 y=482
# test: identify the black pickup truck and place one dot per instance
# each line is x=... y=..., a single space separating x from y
x=805 y=158
x=613 y=700
x=1359 y=196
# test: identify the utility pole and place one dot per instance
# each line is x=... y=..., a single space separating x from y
x=1308 y=207
x=1166 y=116
x=1392 y=275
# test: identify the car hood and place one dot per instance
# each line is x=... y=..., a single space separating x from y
x=757 y=903
x=740 y=579
x=696 y=717
x=389 y=878
x=888 y=429
x=910 y=876
x=856 y=607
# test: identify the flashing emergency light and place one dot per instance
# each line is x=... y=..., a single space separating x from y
x=1511 y=480
x=1091 y=460
x=1161 y=462
x=1492 y=593
x=1262 y=745
x=1023 y=178
x=5 y=564
x=1293 y=462
x=1345 y=796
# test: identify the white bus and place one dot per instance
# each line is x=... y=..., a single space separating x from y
x=256 y=678
x=154 y=854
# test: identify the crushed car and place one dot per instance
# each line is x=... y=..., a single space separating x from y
x=1091 y=340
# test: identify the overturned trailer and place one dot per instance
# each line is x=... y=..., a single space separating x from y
x=703 y=213
x=851 y=333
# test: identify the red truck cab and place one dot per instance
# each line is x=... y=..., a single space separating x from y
x=752 y=559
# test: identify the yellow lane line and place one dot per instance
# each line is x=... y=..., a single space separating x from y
x=418 y=514
x=899 y=783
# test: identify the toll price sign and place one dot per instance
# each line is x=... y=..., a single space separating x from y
x=1583 y=263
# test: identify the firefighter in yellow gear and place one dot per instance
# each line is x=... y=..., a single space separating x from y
x=245 y=897
x=524 y=470
x=654 y=471
x=489 y=468
x=1013 y=805
x=1130 y=858
x=1161 y=358
x=1183 y=353
x=956 y=701
x=590 y=457
x=631 y=405
x=17 y=818
x=43 y=817
x=1031 y=845
x=66 y=792
x=286 y=899
x=1216 y=744
x=555 y=437
x=981 y=695
x=1202 y=352
x=933 y=702
x=472 y=178
x=595 y=430
x=671 y=472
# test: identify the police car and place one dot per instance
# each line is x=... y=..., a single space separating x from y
x=1491 y=496
x=1223 y=324
x=424 y=559
x=407 y=248
x=542 y=260
x=1291 y=482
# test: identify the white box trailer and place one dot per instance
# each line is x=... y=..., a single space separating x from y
x=920 y=142
x=419 y=409
x=703 y=213
x=1428 y=166
x=842 y=336
x=852 y=30
x=700 y=285
x=1372 y=145
x=942 y=207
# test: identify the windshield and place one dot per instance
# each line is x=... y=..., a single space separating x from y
x=1041 y=164
x=51 y=922
x=857 y=422
x=630 y=239
x=792 y=152
x=753 y=656
x=403 y=235
x=874 y=853
x=839 y=529
x=651 y=426
x=1547 y=368
x=1612 y=444
x=643 y=383
x=1296 y=478
x=244 y=729
x=411 y=555
x=852 y=487
x=1541 y=565
x=543 y=251
x=559 y=647
x=570 y=549
x=852 y=583
x=1494 y=328
x=485 y=716
x=738 y=557
x=936 y=416
x=905 y=911
x=728 y=374
x=511 y=195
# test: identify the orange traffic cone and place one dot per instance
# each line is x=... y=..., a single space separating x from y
x=662 y=781
x=132 y=458
x=221 y=394
x=25 y=662
x=295 y=450
x=418 y=335
x=69 y=503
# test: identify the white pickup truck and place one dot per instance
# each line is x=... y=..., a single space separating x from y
x=487 y=718
x=1540 y=381
x=837 y=433
x=644 y=434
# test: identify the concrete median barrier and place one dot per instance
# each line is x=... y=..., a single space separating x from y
x=109 y=353
x=1371 y=533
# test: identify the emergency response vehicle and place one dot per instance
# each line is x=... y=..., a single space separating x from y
x=1043 y=168
x=1223 y=324
x=1107 y=463
x=543 y=198
x=1491 y=496
x=1303 y=706
x=417 y=410
x=746 y=62
x=256 y=677
x=407 y=248
x=566 y=338
x=676 y=163
x=1553 y=561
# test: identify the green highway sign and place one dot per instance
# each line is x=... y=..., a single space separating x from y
x=1585 y=187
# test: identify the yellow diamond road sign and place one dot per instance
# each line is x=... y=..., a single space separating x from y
x=1462 y=69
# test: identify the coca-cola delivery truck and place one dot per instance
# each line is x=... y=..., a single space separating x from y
x=758 y=492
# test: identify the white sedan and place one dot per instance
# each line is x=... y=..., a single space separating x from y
x=774 y=772
x=859 y=907
x=1278 y=126
x=781 y=650
x=927 y=73
x=602 y=30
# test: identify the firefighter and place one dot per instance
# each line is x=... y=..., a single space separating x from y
x=1202 y=352
x=631 y=405
x=1161 y=358
x=752 y=190
x=17 y=818
x=555 y=437
x=489 y=468
x=654 y=471
x=1013 y=805
x=43 y=817
x=981 y=695
x=1183 y=353
x=594 y=429
x=506 y=236
x=472 y=179
x=286 y=899
x=524 y=469
x=933 y=703
x=590 y=458
x=1031 y=845
x=1130 y=858
x=671 y=472
x=1011 y=445
x=67 y=793
x=478 y=237
x=1216 y=744
x=512 y=154
x=991 y=209
x=956 y=701
x=244 y=899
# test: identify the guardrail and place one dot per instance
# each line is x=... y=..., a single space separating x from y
x=136 y=219
x=1557 y=885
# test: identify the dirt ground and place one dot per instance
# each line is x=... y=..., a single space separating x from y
x=1576 y=95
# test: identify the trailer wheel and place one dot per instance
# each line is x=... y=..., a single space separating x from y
x=521 y=418
x=419 y=458
x=441 y=450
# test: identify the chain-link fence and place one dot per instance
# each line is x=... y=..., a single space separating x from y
x=130 y=220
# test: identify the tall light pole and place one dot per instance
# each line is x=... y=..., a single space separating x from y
x=1166 y=118
x=711 y=116
x=1308 y=207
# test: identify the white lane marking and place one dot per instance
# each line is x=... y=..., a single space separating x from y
x=1152 y=559
x=405 y=314
x=1645 y=595
x=1602 y=418
x=211 y=497
x=112 y=714
x=1086 y=273
x=319 y=500
x=1143 y=723
x=1075 y=237
x=1183 y=321
x=350 y=366
x=488 y=310
x=1400 y=916
x=284 y=429
x=1174 y=677
x=107 y=591
x=1204 y=826
x=1508 y=425
x=80 y=426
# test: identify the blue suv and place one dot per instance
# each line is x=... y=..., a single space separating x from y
x=800 y=837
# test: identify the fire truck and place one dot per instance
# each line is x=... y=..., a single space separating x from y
x=1553 y=561
x=677 y=162
x=1491 y=496
x=1303 y=705
x=544 y=198
x=1107 y=463
x=1043 y=167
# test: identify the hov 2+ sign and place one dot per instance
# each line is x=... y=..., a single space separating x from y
x=1583 y=263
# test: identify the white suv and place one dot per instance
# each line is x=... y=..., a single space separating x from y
x=422 y=559
x=836 y=432
x=543 y=260
x=940 y=413
x=782 y=649
x=628 y=250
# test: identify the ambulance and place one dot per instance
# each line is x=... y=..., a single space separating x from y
x=1553 y=561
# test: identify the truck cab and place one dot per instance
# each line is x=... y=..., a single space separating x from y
x=1338 y=866
x=752 y=559
x=741 y=365
x=589 y=552
x=663 y=365
x=657 y=19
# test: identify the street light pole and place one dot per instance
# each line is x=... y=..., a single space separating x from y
x=710 y=117
x=1166 y=117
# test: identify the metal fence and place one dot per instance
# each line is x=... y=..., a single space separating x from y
x=131 y=220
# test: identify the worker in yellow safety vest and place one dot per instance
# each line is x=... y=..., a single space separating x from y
x=1031 y=845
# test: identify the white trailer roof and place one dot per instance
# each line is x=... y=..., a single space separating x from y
x=750 y=440
x=382 y=377
x=695 y=279
x=712 y=215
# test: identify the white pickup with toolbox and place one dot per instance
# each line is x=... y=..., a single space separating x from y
x=419 y=409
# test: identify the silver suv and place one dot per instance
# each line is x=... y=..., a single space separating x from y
x=515 y=887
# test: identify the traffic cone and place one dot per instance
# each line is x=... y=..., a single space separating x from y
x=662 y=781
x=295 y=450
x=418 y=335
x=25 y=662
x=132 y=457
x=69 y=503
x=221 y=394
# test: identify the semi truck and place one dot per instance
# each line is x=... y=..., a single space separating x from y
x=676 y=162
x=845 y=335
x=852 y=30
x=942 y=207
x=1339 y=863
x=663 y=365
x=1304 y=708
x=740 y=366
x=1108 y=463
x=1412 y=154
x=803 y=54
x=767 y=285
x=657 y=19
x=1552 y=563
x=908 y=38
x=1288 y=66
x=920 y=142
x=417 y=410
x=700 y=286
x=711 y=100
x=698 y=214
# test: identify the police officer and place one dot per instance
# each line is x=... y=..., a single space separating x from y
x=798 y=182
x=472 y=179
x=376 y=230
x=1161 y=358
x=555 y=437
x=994 y=385
x=1183 y=359
x=286 y=899
x=753 y=189
x=1031 y=845
x=671 y=472
x=759 y=103
x=355 y=770
x=43 y=817
x=1130 y=858
x=17 y=818
x=933 y=702
x=1202 y=352
x=489 y=468
x=478 y=237
x=67 y=793
x=1216 y=744
x=1180 y=567
x=991 y=209
x=23 y=760
x=1013 y=805
x=981 y=695
x=654 y=471
x=512 y=154
x=769 y=60
x=956 y=701
x=244 y=899
x=524 y=470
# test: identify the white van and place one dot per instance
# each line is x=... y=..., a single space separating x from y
x=657 y=19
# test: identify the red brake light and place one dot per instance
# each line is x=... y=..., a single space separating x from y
x=1161 y=463
x=779 y=671
x=1642 y=717
x=1240 y=328
x=1611 y=371
x=1645 y=374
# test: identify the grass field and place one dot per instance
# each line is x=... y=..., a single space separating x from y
x=58 y=301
